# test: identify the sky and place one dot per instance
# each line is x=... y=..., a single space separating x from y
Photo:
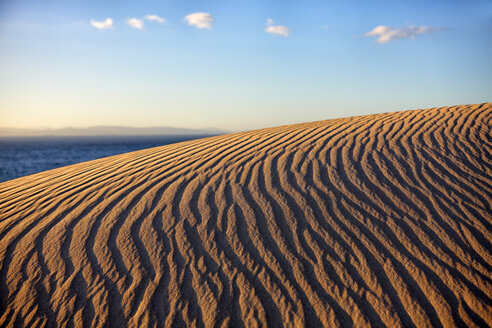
x=237 y=65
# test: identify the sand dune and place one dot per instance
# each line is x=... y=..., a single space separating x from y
x=380 y=220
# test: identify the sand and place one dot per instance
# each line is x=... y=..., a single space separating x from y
x=379 y=220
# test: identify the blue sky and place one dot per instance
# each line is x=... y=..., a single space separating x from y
x=318 y=61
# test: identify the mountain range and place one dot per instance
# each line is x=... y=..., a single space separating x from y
x=106 y=131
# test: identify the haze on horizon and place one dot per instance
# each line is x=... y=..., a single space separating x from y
x=237 y=66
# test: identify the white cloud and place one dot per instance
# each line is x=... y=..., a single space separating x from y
x=386 y=34
x=135 y=23
x=154 y=18
x=200 y=20
x=276 y=29
x=108 y=23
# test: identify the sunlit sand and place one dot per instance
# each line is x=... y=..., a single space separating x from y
x=379 y=220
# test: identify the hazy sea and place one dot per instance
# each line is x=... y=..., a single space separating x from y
x=20 y=156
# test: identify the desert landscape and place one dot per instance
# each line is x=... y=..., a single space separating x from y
x=369 y=221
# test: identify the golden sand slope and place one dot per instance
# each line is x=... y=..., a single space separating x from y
x=381 y=220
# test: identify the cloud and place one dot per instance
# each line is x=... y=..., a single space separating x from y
x=135 y=23
x=276 y=29
x=154 y=18
x=200 y=20
x=386 y=34
x=108 y=23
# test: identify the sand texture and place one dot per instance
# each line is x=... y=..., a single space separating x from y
x=379 y=220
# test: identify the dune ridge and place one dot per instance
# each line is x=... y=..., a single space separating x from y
x=377 y=220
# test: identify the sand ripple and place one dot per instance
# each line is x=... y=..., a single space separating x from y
x=381 y=220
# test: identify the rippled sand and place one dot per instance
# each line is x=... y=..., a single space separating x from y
x=380 y=220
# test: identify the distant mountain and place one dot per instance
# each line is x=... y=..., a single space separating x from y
x=107 y=131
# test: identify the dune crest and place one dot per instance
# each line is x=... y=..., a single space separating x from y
x=379 y=220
